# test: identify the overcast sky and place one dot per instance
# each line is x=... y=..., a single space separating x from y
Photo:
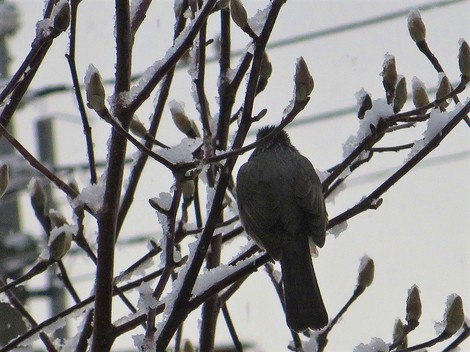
x=420 y=235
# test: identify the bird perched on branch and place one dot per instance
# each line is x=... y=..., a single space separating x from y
x=281 y=207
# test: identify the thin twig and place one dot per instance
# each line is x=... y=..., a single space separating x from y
x=370 y=201
x=78 y=94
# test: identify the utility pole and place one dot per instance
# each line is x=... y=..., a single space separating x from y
x=11 y=323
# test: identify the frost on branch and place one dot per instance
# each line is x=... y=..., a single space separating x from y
x=435 y=124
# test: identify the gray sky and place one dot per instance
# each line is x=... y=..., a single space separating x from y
x=418 y=236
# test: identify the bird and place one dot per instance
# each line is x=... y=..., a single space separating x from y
x=281 y=207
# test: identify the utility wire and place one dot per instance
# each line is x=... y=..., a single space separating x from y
x=40 y=93
x=355 y=25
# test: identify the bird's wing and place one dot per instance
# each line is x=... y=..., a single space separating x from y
x=258 y=207
x=309 y=197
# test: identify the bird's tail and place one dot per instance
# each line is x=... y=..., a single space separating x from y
x=303 y=301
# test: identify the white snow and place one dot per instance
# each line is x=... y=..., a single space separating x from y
x=210 y=277
x=43 y=28
x=365 y=259
x=135 y=5
x=176 y=107
x=375 y=345
x=257 y=22
x=388 y=58
x=380 y=109
x=413 y=15
x=338 y=229
x=69 y=230
x=435 y=124
x=164 y=201
x=181 y=153
x=92 y=196
x=146 y=299
x=57 y=7
x=416 y=84
x=89 y=72
x=440 y=326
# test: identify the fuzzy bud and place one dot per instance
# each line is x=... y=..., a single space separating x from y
x=60 y=240
x=454 y=316
x=188 y=346
x=366 y=272
x=59 y=245
x=138 y=128
x=444 y=88
x=223 y=4
x=238 y=12
x=303 y=81
x=365 y=104
x=182 y=122
x=413 y=306
x=61 y=16
x=57 y=219
x=464 y=59
x=4 y=179
x=416 y=26
x=389 y=76
x=264 y=74
x=401 y=94
x=95 y=92
x=420 y=96
x=399 y=336
x=188 y=189
x=73 y=184
x=38 y=198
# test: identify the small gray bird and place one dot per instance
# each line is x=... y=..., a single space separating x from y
x=281 y=205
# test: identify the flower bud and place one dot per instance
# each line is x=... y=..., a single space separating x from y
x=188 y=346
x=95 y=92
x=420 y=97
x=389 y=76
x=57 y=219
x=73 y=184
x=399 y=337
x=454 y=316
x=413 y=306
x=138 y=128
x=194 y=132
x=180 y=119
x=464 y=59
x=238 y=12
x=4 y=179
x=38 y=198
x=264 y=74
x=59 y=244
x=182 y=122
x=444 y=88
x=223 y=4
x=303 y=81
x=401 y=95
x=60 y=240
x=364 y=103
x=416 y=26
x=61 y=16
x=188 y=189
x=366 y=272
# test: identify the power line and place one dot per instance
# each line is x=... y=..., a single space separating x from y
x=40 y=93
x=357 y=24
